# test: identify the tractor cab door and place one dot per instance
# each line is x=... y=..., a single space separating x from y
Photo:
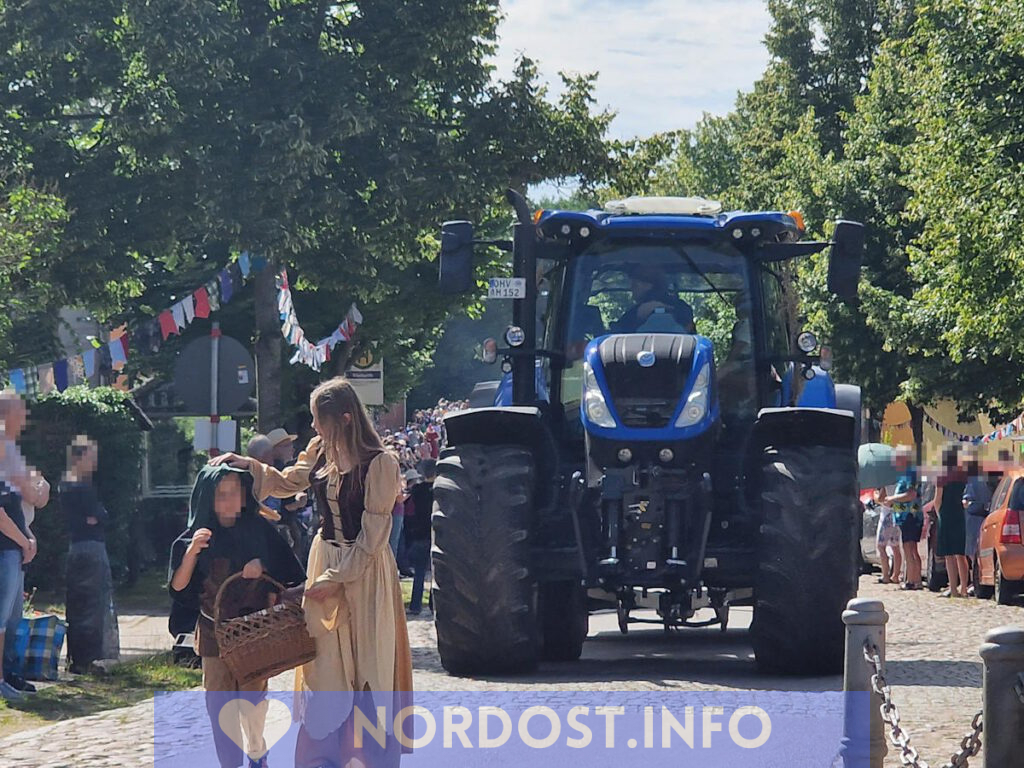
x=776 y=375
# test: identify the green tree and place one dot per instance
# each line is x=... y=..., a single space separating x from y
x=332 y=138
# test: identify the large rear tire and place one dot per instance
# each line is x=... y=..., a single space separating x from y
x=485 y=600
x=564 y=618
x=807 y=569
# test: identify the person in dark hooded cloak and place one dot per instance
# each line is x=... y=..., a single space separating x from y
x=230 y=535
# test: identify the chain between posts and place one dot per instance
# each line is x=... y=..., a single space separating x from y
x=970 y=745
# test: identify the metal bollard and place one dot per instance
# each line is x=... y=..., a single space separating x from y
x=865 y=620
x=1003 y=696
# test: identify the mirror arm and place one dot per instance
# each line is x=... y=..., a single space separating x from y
x=521 y=206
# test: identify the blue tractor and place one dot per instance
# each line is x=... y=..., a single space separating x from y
x=663 y=440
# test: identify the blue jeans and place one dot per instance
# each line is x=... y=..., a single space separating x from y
x=397 y=522
x=419 y=558
x=12 y=591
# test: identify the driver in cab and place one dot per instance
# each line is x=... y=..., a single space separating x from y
x=655 y=308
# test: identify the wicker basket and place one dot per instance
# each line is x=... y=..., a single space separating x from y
x=265 y=643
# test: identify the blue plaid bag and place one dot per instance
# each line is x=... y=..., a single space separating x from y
x=38 y=643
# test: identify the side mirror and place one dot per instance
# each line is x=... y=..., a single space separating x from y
x=845 y=259
x=455 y=270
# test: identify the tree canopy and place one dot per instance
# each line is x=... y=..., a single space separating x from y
x=332 y=138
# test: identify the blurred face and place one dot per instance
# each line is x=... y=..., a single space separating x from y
x=901 y=459
x=86 y=465
x=640 y=288
x=227 y=500
x=284 y=451
x=14 y=424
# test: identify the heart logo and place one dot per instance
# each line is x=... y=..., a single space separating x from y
x=270 y=719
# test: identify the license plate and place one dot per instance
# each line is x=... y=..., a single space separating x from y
x=506 y=288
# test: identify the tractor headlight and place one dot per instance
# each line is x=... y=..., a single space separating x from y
x=696 y=406
x=593 y=400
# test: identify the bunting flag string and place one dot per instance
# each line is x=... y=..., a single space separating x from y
x=1015 y=427
x=306 y=352
x=105 y=359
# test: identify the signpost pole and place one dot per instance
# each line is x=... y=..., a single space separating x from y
x=214 y=385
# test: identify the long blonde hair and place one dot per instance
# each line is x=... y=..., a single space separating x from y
x=346 y=446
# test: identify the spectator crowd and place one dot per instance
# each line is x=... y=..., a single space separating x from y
x=944 y=506
x=418 y=446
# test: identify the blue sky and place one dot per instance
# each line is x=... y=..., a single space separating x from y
x=662 y=63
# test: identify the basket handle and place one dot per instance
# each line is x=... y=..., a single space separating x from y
x=233 y=577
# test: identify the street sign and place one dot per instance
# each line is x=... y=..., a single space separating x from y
x=506 y=288
x=210 y=435
x=236 y=375
x=367 y=378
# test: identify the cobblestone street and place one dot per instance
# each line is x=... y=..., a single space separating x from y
x=933 y=665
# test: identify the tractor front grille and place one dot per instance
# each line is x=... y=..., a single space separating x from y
x=644 y=412
x=647 y=397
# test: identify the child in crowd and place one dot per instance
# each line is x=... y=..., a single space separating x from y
x=229 y=535
x=888 y=537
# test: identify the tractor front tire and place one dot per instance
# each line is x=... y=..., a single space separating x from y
x=485 y=601
x=807 y=566
x=564 y=620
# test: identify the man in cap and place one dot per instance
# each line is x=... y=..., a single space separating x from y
x=651 y=295
x=295 y=507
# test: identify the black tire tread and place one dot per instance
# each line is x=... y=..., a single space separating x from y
x=1005 y=590
x=484 y=597
x=564 y=620
x=807 y=569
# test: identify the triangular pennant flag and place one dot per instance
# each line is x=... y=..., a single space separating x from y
x=190 y=309
x=213 y=294
x=178 y=311
x=117 y=355
x=17 y=377
x=60 y=375
x=89 y=361
x=167 y=324
x=244 y=263
x=202 y=301
x=77 y=368
x=226 y=288
x=356 y=315
x=46 y=382
x=31 y=383
x=104 y=363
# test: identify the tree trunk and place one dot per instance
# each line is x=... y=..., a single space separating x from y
x=917 y=427
x=268 y=351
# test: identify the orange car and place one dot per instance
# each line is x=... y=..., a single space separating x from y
x=1000 y=548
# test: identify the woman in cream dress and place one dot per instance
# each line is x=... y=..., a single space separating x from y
x=353 y=600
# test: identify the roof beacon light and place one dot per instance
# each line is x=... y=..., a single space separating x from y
x=678 y=206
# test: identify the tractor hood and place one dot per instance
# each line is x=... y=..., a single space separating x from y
x=649 y=387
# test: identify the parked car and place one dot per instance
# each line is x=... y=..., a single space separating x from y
x=869 y=557
x=999 y=571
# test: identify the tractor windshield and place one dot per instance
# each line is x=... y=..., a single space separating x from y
x=630 y=286
x=645 y=287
